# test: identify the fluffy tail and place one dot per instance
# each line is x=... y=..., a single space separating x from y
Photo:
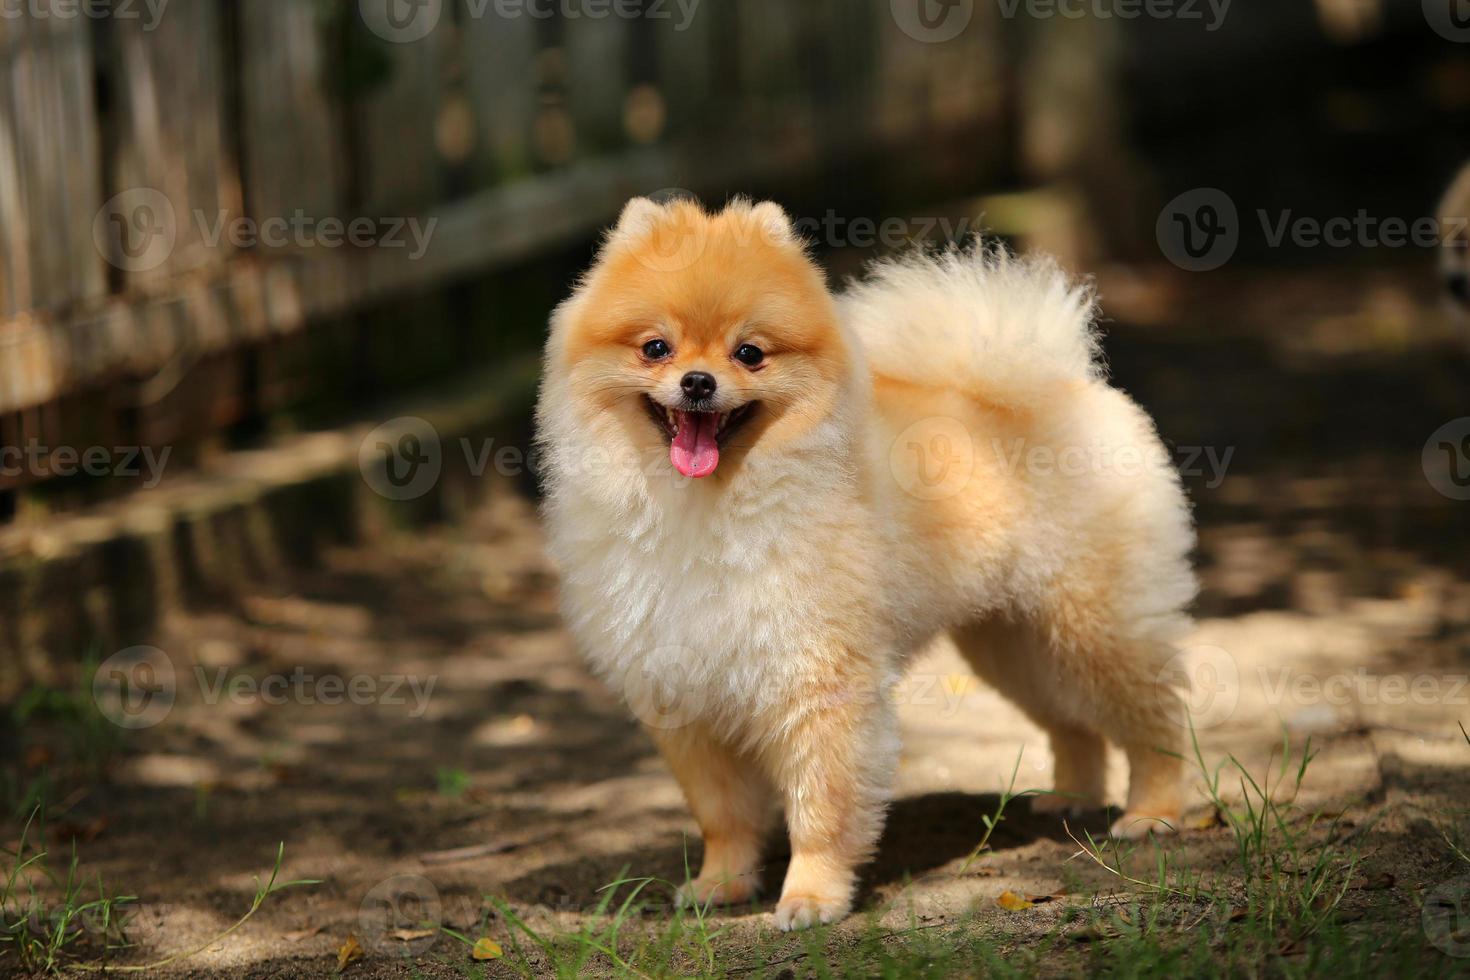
x=1008 y=329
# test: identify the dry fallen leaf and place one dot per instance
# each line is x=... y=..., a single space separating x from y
x=410 y=935
x=349 y=952
x=300 y=934
x=487 y=949
x=1209 y=821
x=1012 y=902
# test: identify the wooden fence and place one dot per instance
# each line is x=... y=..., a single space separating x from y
x=127 y=137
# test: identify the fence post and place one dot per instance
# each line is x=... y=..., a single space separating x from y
x=500 y=76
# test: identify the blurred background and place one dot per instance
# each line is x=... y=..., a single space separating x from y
x=223 y=220
x=258 y=260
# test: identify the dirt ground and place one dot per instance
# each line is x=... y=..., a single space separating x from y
x=1335 y=604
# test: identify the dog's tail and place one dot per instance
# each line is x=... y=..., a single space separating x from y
x=1010 y=330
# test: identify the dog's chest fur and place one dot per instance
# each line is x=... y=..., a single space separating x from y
x=732 y=594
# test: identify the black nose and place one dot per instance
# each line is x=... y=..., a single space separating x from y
x=698 y=385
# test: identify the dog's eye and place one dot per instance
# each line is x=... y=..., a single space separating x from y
x=656 y=350
x=749 y=355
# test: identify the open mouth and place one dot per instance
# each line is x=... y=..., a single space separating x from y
x=695 y=438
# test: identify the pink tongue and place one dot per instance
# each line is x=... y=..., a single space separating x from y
x=695 y=452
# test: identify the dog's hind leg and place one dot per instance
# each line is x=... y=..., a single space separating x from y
x=1079 y=761
x=1081 y=687
x=1012 y=658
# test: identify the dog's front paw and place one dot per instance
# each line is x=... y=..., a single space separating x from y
x=805 y=911
x=717 y=891
x=1063 y=804
x=1138 y=825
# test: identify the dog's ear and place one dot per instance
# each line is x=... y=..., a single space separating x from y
x=639 y=217
x=773 y=223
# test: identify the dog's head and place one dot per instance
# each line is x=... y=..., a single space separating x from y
x=705 y=337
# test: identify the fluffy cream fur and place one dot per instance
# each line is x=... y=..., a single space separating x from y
x=934 y=451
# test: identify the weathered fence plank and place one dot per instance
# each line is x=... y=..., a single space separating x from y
x=397 y=161
x=769 y=72
x=166 y=131
x=597 y=81
x=499 y=55
x=966 y=74
x=15 y=269
x=687 y=71
x=291 y=131
x=902 y=81
x=48 y=164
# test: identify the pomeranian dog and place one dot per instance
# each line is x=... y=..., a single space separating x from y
x=764 y=499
